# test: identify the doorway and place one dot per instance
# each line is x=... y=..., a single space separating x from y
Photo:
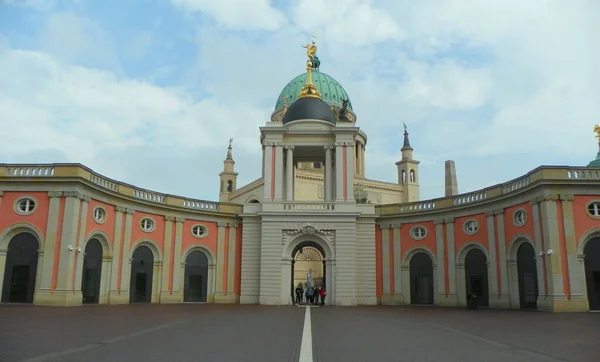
x=20 y=271
x=528 y=279
x=196 y=278
x=140 y=285
x=476 y=276
x=92 y=272
x=421 y=279
x=308 y=267
x=592 y=272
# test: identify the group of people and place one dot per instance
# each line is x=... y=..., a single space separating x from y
x=310 y=295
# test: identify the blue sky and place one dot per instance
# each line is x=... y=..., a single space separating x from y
x=149 y=92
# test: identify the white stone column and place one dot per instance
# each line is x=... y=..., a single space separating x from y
x=219 y=290
x=289 y=173
x=537 y=234
x=268 y=154
x=349 y=172
x=49 y=244
x=178 y=275
x=385 y=263
x=233 y=228
x=114 y=288
x=328 y=174
x=278 y=172
x=362 y=160
x=452 y=297
x=127 y=256
x=166 y=290
x=339 y=175
x=575 y=267
x=493 y=265
x=397 y=258
x=503 y=286
x=440 y=288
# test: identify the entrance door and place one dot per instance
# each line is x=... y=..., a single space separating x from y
x=476 y=276
x=196 y=277
x=527 y=270
x=308 y=267
x=592 y=272
x=92 y=272
x=20 y=271
x=421 y=279
x=140 y=285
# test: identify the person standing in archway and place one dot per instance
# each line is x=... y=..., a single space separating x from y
x=299 y=293
x=323 y=294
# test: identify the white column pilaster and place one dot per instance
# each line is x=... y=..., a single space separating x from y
x=328 y=173
x=339 y=175
x=349 y=172
x=289 y=170
x=440 y=290
x=268 y=154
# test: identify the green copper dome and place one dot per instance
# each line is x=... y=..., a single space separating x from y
x=331 y=90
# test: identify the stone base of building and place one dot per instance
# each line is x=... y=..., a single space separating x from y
x=221 y=298
x=562 y=304
x=346 y=301
x=450 y=300
x=171 y=297
x=249 y=299
x=367 y=300
x=396 y=299
x=115 y=297
x=499 y=301
x=59 y=298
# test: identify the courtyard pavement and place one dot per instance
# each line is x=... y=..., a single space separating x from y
x=196 y=332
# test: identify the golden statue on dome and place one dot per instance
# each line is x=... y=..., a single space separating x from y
x=597 y=130
x=311 y=49
x=309 y=89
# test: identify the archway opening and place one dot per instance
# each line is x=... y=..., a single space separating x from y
x=592 y=272
x=308 y=267
x=476 y=276
x=421 y=279
x=528 y=280
x=140 y=285
x=92 y=272
x=196 y=277
x=20 y=271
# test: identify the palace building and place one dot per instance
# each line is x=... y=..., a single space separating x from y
x=70 y=236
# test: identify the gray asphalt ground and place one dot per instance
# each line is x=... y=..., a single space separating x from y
x=192 y=332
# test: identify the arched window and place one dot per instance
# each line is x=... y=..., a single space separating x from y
x=229 y=186
x=412 y=176
x=403 y=176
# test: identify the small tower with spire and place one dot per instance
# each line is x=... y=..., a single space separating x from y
x=228 y=177
x=408 y=171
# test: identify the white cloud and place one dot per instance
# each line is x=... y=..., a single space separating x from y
x=355 y=22
x=446 y=85
x=238 y=14
x=83 y=112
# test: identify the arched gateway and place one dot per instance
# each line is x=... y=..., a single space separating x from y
x=303 y=253
x=308 y=266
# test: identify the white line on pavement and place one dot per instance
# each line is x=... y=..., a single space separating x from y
x=306 y=352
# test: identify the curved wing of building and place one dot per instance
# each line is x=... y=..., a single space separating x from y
x=313 y=220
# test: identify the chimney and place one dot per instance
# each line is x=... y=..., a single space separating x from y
x=451 y=184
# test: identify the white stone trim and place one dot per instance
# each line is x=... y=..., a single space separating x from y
x=18 y=211
x=104 y=218
x=149 y=230
x=199 y=236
